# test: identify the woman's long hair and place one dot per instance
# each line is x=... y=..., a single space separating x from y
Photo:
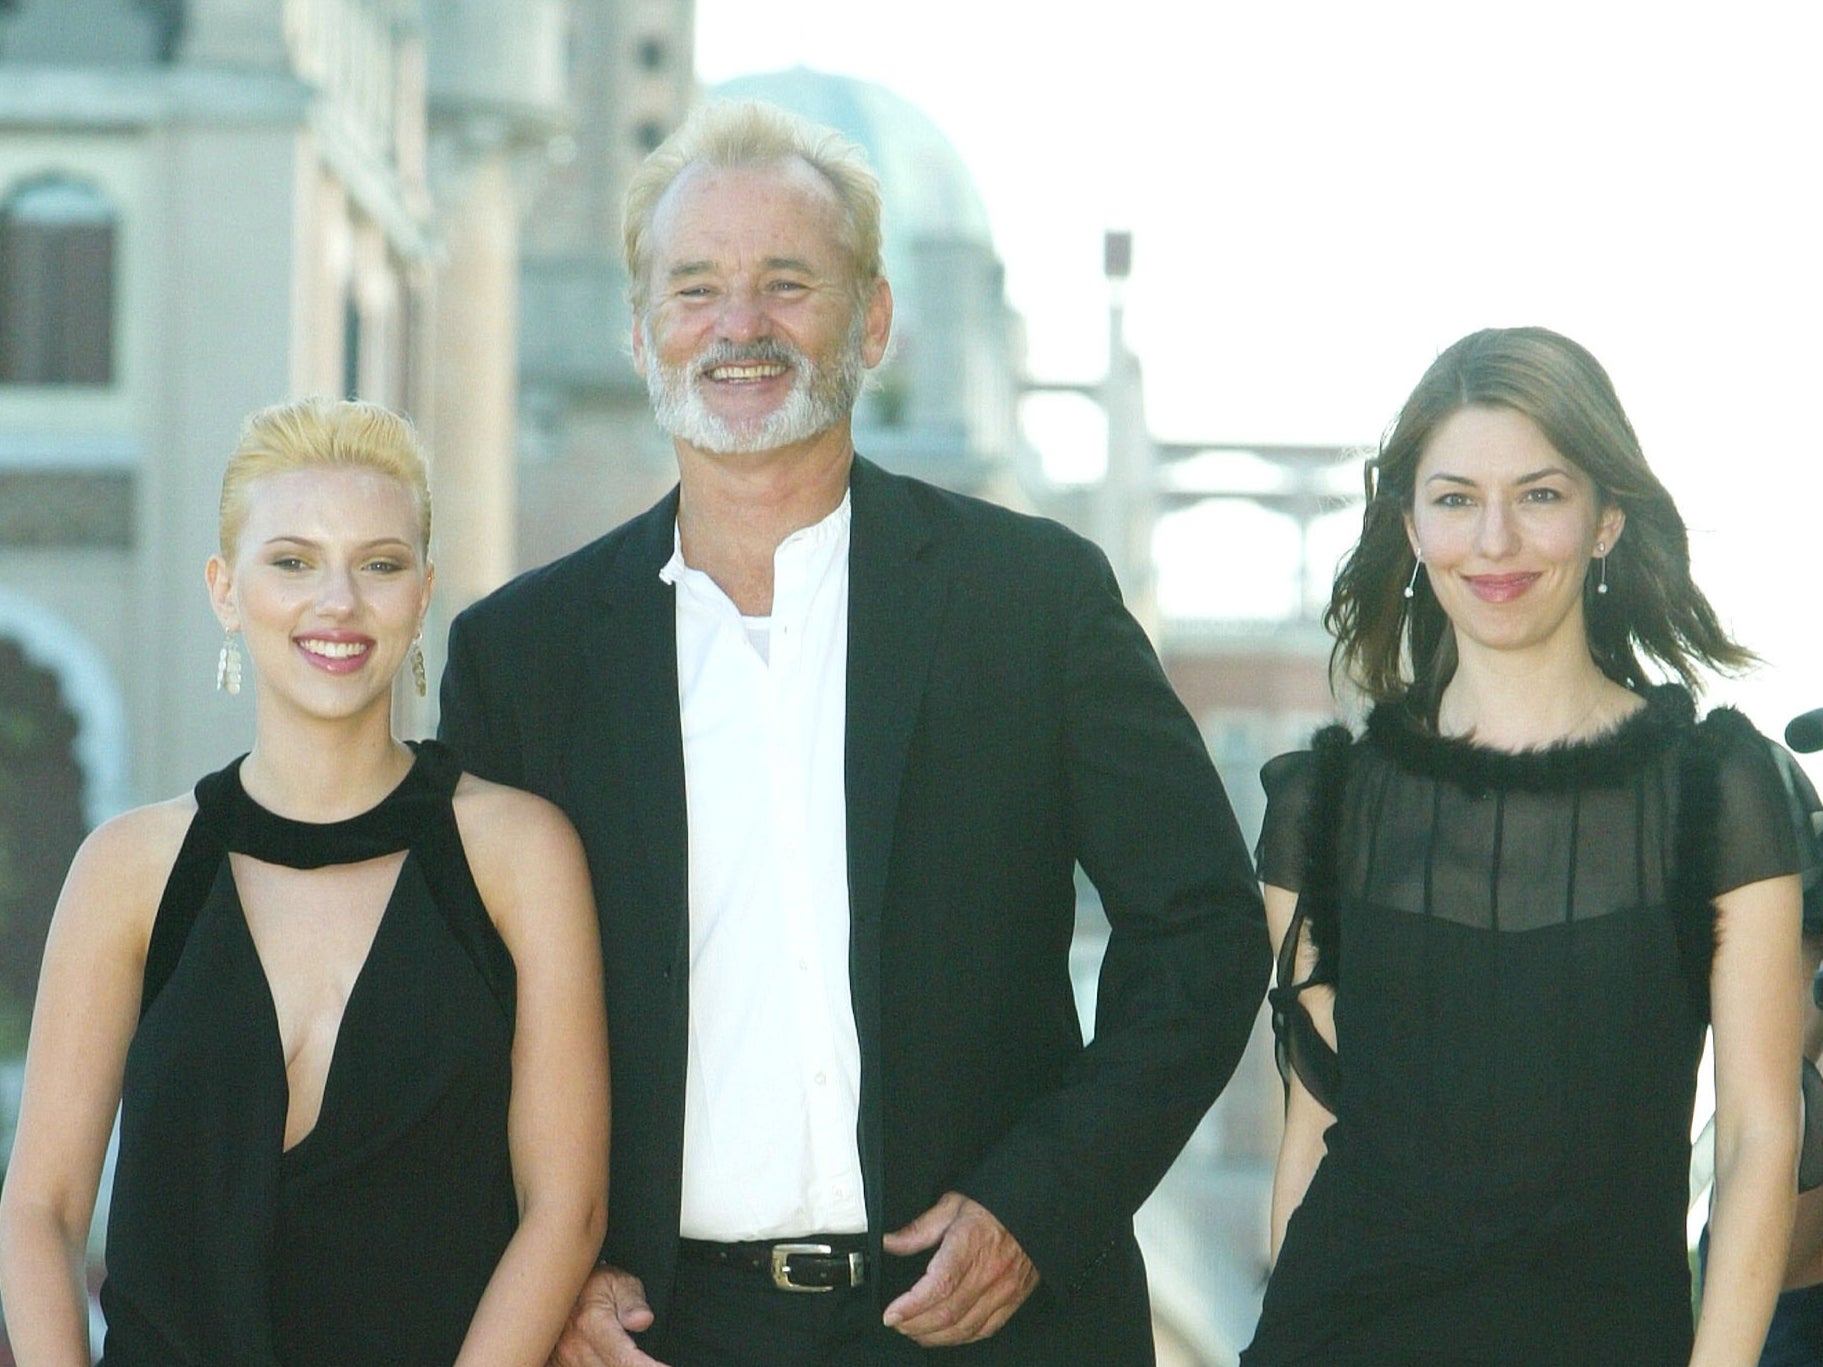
x=1391 y=646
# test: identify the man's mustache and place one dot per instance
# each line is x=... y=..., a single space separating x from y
x=760 y=351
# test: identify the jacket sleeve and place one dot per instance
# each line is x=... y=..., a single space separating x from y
x=474 y=720
x=1186 y=962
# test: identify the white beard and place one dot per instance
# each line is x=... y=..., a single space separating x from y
x=820 y=397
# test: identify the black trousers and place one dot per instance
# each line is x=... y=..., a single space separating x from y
x=726 y=1318
x=723 y=1318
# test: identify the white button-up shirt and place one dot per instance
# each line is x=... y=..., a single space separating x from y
x=773 y=1091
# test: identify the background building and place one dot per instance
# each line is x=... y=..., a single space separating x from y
x=588 y=454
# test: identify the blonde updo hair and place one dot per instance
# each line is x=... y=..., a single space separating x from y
x=313 y=433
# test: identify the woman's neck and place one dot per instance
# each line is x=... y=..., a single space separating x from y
x=324 y=769
x=1530 y=702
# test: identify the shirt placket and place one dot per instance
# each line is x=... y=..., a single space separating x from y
x=790 y=752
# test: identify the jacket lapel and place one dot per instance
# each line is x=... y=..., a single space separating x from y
x=630 y=728
x=897 y=582
x=896 y=587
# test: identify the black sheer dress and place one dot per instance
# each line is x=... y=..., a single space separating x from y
x=1520 y=947
x=368 y=1242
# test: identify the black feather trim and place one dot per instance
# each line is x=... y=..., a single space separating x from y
x=1607 y=760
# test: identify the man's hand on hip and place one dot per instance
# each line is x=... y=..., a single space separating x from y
x=978 y=1277
x=610 y=1308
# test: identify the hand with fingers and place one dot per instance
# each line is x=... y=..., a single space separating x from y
x=610 y=1309
x=975 y=1281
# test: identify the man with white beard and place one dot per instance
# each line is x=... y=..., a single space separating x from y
x=835 y=742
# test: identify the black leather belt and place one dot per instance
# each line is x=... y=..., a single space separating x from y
x=818 y=1262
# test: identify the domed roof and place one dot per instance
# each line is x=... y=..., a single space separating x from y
x=927 y=189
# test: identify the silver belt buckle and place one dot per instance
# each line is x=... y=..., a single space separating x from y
x=781 y=1266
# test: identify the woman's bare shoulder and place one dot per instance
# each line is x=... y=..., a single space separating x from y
x=492 y=814
x=143 y=838
x=524 y=853
x=509 y=832
x=121 y=868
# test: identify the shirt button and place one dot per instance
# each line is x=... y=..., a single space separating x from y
x=803 y=965
x=822 y=1079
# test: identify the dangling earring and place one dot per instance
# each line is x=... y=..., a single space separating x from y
x=228 y=665
x=1412 y=583
x=417 y=665
x=1601 y=555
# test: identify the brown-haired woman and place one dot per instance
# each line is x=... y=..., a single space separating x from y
x=1508 y=912
x=346 y=997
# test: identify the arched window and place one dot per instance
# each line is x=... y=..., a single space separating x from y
x=56 y=284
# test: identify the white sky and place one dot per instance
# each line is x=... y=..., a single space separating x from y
x=1324 y=195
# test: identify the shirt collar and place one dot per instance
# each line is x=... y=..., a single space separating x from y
x=818 y=534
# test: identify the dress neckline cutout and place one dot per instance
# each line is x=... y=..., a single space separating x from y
x=387 y=827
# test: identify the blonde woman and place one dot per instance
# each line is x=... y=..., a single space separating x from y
x=345 y=996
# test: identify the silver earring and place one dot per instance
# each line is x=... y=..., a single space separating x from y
x=417 y=667
x=228 y=665
x=1601 y=555
x=1412 y=583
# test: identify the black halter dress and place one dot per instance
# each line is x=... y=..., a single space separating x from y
x=371 y=1239
x=1520 y=947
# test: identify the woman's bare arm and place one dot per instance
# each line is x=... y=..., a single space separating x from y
x=1755 y=1014
x=529 y=867
x=83 y=1020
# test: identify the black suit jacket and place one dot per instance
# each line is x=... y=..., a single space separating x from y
x=1007 y=719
